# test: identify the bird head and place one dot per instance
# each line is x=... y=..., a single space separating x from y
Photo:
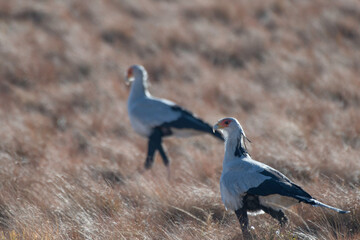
x=135 y=72
x=228 y=127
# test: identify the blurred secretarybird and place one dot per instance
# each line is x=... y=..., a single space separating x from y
x=155 y=118
x=250 y=186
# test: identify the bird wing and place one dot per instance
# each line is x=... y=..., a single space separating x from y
x=188 y=120
x=277 y=183
x=281 y=185
x=252 y=177
x=237 y=178
x=153 y=112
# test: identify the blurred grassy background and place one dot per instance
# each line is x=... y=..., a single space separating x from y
x=288 y=70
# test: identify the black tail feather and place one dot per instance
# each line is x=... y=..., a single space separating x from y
x=316 y=203
x=188 y=121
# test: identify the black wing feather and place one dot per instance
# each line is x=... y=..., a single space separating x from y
x=189 y=121
x=279 y=184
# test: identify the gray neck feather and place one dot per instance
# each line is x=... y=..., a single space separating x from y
x=235 y=145
x=139 y=87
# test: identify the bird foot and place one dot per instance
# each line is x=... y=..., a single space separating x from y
x=283 y=221
x=247 y=234
x=148 y=163
x=282 y=227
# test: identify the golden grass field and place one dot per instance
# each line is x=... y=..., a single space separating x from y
x=70 y=162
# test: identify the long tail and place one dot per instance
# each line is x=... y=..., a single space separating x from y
x=188 y=120
x=316 y=203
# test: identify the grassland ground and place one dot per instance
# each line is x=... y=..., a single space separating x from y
x=288 y=70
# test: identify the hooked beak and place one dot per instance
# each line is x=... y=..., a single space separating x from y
x=128 y=80
x=216 y=127
x=129 y=77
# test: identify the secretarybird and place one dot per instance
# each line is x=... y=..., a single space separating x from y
x=155 y=118
x=250 y=186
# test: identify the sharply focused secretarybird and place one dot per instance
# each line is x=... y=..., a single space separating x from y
x=250 y=186
x=155 y=118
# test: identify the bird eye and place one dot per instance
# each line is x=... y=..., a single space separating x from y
x=226 y=122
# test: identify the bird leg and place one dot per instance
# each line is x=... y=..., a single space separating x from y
x=165 y=159
x=163 y=155
x=153 y=145
x=244 y=222
x=279 y=215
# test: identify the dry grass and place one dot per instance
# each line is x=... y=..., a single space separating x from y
x=288 y=70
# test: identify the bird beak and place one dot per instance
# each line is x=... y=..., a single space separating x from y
x=129 y=78
x=216 y=127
